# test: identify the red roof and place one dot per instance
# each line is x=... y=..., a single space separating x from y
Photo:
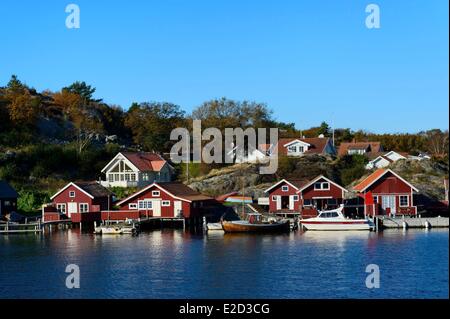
x=146 y=161
x=222 y=198
x=318 y=144
x=369 y=179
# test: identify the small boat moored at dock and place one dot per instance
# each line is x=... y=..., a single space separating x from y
x=255 y=224
x=335 y=220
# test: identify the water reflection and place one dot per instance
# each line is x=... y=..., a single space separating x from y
x=177 y=264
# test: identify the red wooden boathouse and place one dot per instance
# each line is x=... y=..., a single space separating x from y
x=163 y=199
x=392 y=195
x=319 y=194
x=305 y=198
x=79 y=201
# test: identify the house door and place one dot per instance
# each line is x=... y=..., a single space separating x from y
x=278 y=202
x=177 y=207
x=156 y=208
x=291 y=202
x=388 y=204
x=71 y=208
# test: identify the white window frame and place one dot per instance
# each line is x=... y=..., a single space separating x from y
x=147 y=204
x=274 y=197
x=132 y=206
x=284 y=188
x=322 y=186
x=308 y=205
x=165 y=203
x=156 y=193
x=400 y=201
x=61 y=205
x=81 y=210
x=70 y=194
x=295 y=198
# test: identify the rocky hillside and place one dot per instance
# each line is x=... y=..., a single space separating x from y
x=426 y=175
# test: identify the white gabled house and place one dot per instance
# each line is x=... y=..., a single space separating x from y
x=249 y=156
x=136 y=169
x=300 y=146
x=385 y=160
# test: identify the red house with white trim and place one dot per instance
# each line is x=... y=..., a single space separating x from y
x=319 y=194
x=392 y=195
x=165 y=200
x=283 y=197
x=305 y=198
x=79 y=201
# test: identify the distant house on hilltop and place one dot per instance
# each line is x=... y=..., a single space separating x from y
x=138 y=169
x=370 y=149
x=300 y=146
x=385 y=160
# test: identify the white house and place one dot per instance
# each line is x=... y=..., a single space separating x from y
x=136 y=169
x=300 y=146
x=250 y=156
x=385 y=160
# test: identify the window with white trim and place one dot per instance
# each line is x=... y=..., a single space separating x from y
x=165 y=203
x=132 y=206
x=307 y=202
x=156 y=193
x=61 y=208
x=72 y=194
x=284 y=188
x=321 y=186
x=145 y=204
x=292 y=149
x=110 y=177
x=84 y=207
x=404 y=200
x=295 y=198
x=274 y=197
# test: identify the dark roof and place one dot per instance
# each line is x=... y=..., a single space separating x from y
x=6 y=191
x=180 y=190
x=94 y=188
x=298 y=183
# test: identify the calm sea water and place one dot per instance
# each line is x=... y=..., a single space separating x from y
x=175 y=264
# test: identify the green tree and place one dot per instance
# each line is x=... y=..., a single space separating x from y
x=84 y=90
x=152 y=123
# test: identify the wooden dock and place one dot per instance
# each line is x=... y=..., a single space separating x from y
x=15 y=228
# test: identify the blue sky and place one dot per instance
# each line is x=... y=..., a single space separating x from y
x=308 y=60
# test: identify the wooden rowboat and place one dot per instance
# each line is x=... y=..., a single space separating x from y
x=255 y=225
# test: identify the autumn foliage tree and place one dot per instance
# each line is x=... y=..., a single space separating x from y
x=21 y=106
x=84 y=118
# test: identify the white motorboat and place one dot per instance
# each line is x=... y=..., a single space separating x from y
x=335 y=220
x=108 y=230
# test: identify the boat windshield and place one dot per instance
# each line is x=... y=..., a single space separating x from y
x=329 y=215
